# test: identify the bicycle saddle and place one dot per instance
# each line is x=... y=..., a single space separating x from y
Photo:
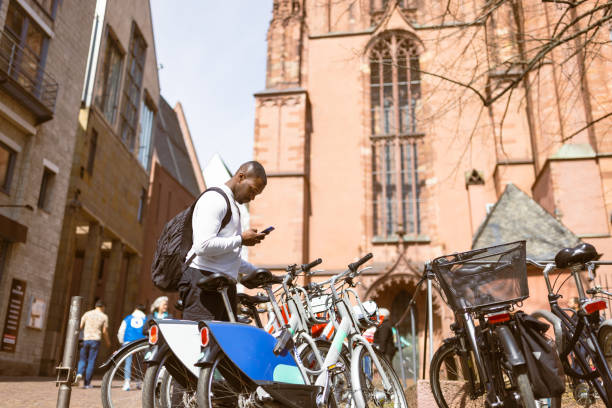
x=215 y=282
x=249 y=300
x=580 y=254
x=260 y=277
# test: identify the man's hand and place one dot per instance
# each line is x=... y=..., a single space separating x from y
x=251 y=237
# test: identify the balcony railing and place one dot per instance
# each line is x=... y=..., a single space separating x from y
x=22 y=76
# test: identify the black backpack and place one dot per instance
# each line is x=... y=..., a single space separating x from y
x=544 y=367
x=175 y=242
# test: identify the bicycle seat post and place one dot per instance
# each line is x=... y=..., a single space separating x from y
x=228 y=306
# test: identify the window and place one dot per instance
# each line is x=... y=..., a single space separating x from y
x=27 y=44
x=146 y=125
x=7 y=165
x=46 y=187
x=395 y=93
x=141 y=205
x=49 y=6
x=107 y=95
x=131 y=89
x=93 y=145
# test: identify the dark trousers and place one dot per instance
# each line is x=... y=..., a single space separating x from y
x=87 y=359
x=203 y=305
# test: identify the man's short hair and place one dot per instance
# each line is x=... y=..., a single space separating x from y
x=100 y=303
x=141 y=307
x=254 y=169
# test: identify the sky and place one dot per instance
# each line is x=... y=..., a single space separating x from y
x=212 y=58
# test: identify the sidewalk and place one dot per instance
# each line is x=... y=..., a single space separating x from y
x=41 y=392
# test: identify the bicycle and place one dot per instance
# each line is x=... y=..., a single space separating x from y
x=578 y=332
x=481 y=364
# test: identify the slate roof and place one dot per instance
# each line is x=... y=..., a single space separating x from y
x=171 y=149
x=516 y=216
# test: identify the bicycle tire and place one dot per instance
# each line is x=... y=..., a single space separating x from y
x=448 y=379
x=366 y=382
x=525 y=390
x=228 y=387
x=159 y=392
x=109 y=376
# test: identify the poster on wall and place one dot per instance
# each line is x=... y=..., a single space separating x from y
x=13 y=315
x=37 y=313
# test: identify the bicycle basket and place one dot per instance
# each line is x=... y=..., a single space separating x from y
x=483 y=277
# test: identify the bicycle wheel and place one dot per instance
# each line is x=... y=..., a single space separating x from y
x=168 y=385
x=122 y=382
x=341 y=383
x=222 y=385
x=367 y=381
x=450 y=382
x=524 y=388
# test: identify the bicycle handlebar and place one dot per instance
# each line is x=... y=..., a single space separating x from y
x=309 y=266
x=353 y=266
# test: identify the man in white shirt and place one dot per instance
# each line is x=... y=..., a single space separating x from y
x=217 y=247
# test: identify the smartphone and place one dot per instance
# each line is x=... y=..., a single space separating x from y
x=268 y=230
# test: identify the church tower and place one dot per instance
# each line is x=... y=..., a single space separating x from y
x=282 y=138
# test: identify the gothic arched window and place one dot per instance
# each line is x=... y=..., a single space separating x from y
x=395 y=90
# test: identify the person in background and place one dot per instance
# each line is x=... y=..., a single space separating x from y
x=94 y=324
x=130 y=330
x=383 y=337
x=159 y=310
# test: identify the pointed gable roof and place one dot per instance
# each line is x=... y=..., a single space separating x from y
x=171 y=150
x=516 y=216
x=394 y=20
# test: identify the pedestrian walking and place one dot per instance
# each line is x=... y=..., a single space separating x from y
x=217 y=240
x=94 y=324
x=131 y=329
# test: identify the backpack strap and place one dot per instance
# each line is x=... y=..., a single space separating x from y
x=228 y=211
x=226 y=219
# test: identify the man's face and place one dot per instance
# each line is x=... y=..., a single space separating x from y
x=248 y=188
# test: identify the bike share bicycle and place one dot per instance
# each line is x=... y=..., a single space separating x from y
x=580 y=334
x=482 y=364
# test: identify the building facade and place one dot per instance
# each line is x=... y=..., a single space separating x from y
x=102 y=241
x=43 y=56
x=380 y=131
x=176 y=180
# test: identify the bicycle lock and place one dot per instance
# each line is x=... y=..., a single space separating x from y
x=66 y=371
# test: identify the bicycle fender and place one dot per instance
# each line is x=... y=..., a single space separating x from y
x=511 y=349
x=155 y=355
x=208 y=354
x=112 y=358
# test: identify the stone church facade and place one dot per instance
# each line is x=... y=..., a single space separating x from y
x=369 y=149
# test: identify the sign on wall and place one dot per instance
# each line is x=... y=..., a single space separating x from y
x=37 y=313
x=13 y=315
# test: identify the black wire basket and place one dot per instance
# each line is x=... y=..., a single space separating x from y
x=484 y=277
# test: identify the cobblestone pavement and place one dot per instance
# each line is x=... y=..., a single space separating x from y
x=28 y=392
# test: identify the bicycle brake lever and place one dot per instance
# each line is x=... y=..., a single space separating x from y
x=364 y=269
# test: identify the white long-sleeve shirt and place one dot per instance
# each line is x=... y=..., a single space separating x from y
x=217 y=251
